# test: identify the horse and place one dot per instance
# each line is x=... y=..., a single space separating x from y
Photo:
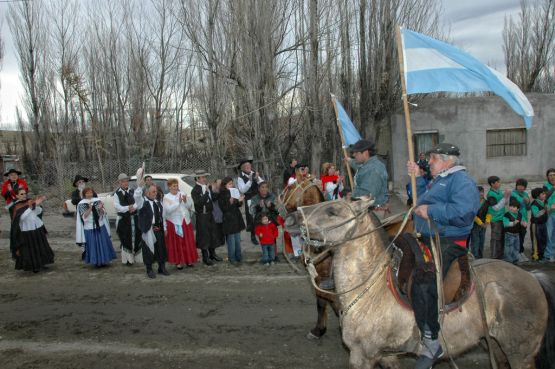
x=305 y=192
x=517 y=307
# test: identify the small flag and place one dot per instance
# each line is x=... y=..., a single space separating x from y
x=350 y=133
x=432 y=66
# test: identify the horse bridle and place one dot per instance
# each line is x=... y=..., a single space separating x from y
x=282 y=210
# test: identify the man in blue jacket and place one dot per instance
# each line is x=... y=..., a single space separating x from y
x=449 y=204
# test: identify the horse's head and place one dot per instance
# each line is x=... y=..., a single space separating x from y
x=328 y=223
x=302 y=193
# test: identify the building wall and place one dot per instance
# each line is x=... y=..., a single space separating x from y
x=464 y=121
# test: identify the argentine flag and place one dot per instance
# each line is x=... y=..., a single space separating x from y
x=350 y=133
x=433 y=66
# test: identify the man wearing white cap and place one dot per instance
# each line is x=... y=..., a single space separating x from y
x=127 y=225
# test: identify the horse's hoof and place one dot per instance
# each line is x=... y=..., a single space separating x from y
x=311 y=336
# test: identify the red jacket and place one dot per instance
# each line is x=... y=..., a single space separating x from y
x=8 y=193
x=267 y=233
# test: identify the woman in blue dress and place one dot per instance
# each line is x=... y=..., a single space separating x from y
x=93 y=229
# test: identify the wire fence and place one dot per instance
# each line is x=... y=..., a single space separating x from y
x=55 y=179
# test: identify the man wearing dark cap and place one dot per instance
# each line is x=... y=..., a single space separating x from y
x=12 y=185
x=371 y=175
x=449 y=203
x=247 y=184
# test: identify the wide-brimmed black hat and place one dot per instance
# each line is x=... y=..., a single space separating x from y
x=78 y=178
x=243 y=161
x=444 y=148
x=362 y=145
x=12 y=171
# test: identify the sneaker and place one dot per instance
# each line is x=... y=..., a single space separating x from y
x=430 y=352
x=271 y=263
x=551 y=259
x=266 y=264
x=151 y=274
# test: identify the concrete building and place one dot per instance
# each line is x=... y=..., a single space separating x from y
x=492 y=137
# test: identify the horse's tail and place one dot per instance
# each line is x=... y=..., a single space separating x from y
x=546 y=356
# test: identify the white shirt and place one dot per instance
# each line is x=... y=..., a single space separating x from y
x=120 y=208
x=175 y=211
x=244 y=187
x=29 y=220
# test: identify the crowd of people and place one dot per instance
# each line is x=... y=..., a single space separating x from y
x=154 y=227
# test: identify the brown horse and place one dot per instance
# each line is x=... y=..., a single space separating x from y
x=303 y=193
x=514 y=304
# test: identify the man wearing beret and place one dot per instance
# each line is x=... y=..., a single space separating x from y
x=371 y=175
x=449 y=202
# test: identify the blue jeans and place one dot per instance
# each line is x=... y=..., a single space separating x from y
x=512 y=247
x=267 y=253
x=550 y=246
x=233 y=246
x=477 y=239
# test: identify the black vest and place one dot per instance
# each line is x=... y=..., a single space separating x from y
x=145 y=215
x=542 y=219
x=254 y=186
x=511 y=217
x=125 y=200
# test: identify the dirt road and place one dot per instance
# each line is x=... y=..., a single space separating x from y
x=75 y=316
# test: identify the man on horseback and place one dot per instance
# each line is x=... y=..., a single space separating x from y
x=446 y=206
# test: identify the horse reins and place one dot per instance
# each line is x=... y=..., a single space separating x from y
x=311 y=261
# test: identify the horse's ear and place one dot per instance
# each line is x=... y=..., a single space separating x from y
x=363 y=202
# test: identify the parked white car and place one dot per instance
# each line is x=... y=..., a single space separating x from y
x=186 y=183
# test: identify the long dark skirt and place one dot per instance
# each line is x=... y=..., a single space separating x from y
x=34 y=250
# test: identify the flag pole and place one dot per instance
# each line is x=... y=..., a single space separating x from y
x=407 y=112
x=343 y=142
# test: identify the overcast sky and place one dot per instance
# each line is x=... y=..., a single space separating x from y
x=476 y=26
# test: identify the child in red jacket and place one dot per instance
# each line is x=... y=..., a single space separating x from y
x=267 y=234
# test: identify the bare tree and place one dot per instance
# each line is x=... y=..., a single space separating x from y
x=26 y=22
x=528 y=44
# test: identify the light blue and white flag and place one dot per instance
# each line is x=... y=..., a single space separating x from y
x=350 y=133
x=433 y=66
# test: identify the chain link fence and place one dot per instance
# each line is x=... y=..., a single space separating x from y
x=55 y=179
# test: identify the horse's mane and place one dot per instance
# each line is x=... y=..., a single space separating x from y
x=376 y=223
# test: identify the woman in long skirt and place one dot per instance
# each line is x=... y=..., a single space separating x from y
x=93 y=229
x=28 y=242
x=179 y=236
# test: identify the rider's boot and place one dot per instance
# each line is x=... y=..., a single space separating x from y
x=430 y=352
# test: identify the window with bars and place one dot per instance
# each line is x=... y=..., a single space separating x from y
x=505 y=142
x=424 y=141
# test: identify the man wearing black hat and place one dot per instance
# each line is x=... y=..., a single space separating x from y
x=247 y=184
x=449 y=203
x=77 y=195
x=11 y=185
x=371 y=175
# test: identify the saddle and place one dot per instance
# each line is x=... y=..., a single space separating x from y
x=457 y=283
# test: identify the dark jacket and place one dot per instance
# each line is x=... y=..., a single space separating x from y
x=232 y=219
x=203 y=202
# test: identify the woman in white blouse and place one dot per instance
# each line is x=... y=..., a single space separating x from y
x=179 y=236
x=93 y=230
x=29 y=245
